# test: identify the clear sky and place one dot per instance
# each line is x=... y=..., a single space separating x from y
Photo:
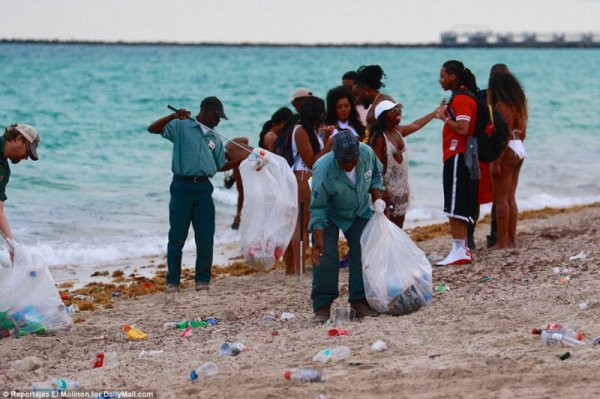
x=285 y=21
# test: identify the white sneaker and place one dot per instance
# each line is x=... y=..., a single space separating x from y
x=459 y=256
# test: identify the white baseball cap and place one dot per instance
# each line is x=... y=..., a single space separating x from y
x=383 y=106
x=300 y=93
x=32 y=137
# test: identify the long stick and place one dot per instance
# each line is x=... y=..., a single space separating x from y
x=212 y=130
x=10 y=246
x=302 y=255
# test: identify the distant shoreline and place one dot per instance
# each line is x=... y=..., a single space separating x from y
x=542 y=45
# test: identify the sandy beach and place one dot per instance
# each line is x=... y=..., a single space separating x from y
x=473 y=341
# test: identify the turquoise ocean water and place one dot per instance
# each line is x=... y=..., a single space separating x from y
x=99 y=193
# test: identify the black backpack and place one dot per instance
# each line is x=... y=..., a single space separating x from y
x=283 y=145
x=491 y=131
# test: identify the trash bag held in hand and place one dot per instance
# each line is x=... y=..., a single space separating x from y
x=270 y=208
x=29 y=300
x=396 y=273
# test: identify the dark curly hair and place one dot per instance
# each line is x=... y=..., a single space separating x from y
x=370 y=76
x=464 y=75
x=281 y=115
x=333 y=96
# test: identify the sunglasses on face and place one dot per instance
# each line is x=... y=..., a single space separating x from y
x=396 y=110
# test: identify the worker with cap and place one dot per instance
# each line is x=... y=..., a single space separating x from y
x=198 y=153
x=344 y=183
x=19 y=142
x=298 y=96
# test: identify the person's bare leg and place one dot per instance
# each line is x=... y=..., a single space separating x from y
x=458 y=229
x=501 y=187
x=513 y=208
x=292 y=259
x=291 y=253
x=240 y=200
x=398 y=220
x=305 y=193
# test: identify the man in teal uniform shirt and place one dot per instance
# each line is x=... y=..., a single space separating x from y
x=344 y=181
x=19 y=142
x=198 y=153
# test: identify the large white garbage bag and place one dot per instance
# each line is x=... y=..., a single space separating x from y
x=396 y=273
x=29 y=300
x=270 y=208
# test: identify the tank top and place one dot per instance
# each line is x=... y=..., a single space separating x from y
x=298 y=161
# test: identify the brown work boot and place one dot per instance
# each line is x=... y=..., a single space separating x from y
x=322 y=315
x=201 y=286
x=362 y=309
x=172 y=288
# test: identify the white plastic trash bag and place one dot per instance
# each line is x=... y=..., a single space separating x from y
x=270 y=208
x=396 y=273
x=29 y=300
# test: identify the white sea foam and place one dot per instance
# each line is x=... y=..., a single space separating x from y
x=225 y=196
x=543 y=200
x=101 y=253
x=92 y=255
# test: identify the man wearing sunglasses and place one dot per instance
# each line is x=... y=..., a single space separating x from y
x=18 y=143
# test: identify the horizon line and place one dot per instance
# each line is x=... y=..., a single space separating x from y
x=304 y=45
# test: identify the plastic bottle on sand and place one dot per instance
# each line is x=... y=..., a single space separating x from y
x=207 y=369
x=232 y=348
x=182 y=325
x=567 y=337
x=333 y=355
x=555 y=333
x=106 y=359
x=59 y=384
x=134 y=333
x=151 y=354
x=304 y=375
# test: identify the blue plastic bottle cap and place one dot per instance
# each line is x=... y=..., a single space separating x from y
x=193 y=375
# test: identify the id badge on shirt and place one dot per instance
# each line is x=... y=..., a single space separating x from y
x=453 y=144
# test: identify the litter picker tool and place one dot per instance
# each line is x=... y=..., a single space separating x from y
x=212 y=130
x=8 y=243
x=302 y=255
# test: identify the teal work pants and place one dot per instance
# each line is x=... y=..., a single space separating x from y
x=326 y=275
x=191 y=203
